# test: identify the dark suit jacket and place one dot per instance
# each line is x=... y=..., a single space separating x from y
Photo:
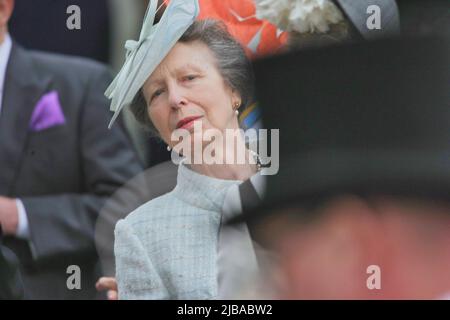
x=62 y=174
x=41 y=25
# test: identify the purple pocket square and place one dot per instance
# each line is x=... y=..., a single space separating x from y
x=47 y=113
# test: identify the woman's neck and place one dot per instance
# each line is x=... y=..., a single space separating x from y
x=241 y=167
x=226 y=171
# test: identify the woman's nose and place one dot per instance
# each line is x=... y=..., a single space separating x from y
x=177 y=97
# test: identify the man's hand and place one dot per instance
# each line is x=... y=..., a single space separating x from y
x=9 y=215
x=110 y=284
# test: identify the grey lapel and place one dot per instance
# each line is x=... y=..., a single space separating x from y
x=356 y=12
x=23 y=88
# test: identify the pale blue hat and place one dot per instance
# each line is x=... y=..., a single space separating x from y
x=144 y=55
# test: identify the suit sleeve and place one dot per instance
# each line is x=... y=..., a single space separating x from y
x=137 y=278
x=64 y=224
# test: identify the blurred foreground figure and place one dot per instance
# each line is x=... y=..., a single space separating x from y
x=360 y=208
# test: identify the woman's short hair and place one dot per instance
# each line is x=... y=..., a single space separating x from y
x=232 y=63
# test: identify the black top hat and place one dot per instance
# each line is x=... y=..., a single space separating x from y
x=369 y=117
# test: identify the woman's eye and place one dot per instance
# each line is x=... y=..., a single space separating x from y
x=157 y=93
x=190 y=77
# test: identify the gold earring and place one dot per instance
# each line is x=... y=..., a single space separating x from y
x=236 y=107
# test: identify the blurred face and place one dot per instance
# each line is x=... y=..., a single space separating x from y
x=6 y=7
x=328 y=257
x=186 y=89
x=324 y=258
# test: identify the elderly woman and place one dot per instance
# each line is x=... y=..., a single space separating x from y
x=168 y=247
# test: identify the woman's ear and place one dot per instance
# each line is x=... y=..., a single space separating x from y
x=235 y=98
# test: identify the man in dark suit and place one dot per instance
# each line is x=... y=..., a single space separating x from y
x=59 y=163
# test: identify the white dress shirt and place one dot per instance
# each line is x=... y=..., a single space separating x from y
x=5 y=51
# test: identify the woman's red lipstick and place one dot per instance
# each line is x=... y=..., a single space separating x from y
x=186 y=122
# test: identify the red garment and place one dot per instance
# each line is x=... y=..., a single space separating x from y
x=245 y=30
